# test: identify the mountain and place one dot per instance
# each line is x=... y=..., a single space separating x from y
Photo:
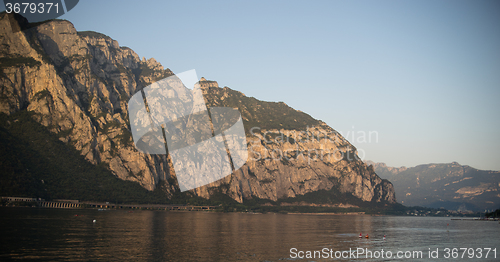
x=452 y=186
x=75 y=87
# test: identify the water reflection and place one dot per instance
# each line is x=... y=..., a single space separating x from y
x=70 y=235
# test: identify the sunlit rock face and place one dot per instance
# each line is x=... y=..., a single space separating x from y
x=79 y=85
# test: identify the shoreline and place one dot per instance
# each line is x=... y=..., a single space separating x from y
x=333 y=214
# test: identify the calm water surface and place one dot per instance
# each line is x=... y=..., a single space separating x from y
x=33 y=234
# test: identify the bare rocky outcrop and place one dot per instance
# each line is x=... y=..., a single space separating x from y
x=285 y=162
x=448 y=185
x=79 y=84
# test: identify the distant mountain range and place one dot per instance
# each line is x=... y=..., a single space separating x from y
x=64 y=91
x=451 y=186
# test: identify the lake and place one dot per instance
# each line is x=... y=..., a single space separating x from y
x=31 y=234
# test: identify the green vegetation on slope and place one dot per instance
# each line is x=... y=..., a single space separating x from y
x=18 y=61
x=494 y=214
x=93 y=34
x=262 y=114
x=34 y=163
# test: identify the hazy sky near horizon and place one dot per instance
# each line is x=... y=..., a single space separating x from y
x=422 y=75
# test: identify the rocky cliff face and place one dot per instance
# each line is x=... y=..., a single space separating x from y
x=292 y=154
x=387 y=172
x=452 y=186
x=79 y=83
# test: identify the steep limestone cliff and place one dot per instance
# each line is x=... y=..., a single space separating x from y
x=291 y=154
x=79 y=83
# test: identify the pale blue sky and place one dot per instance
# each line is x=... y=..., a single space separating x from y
x=425 y=75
